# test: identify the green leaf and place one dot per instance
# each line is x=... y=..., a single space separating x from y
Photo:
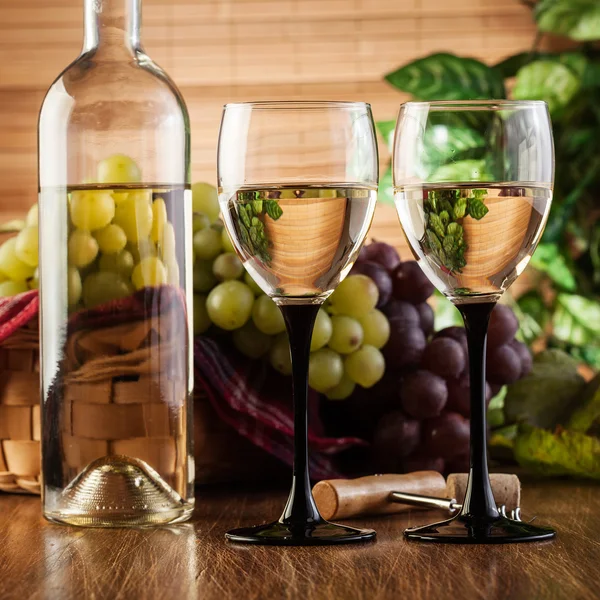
x=577 y=19
x=576 y=320
x=386 y=129
x=560 y=453
x=446 y=314
x=533 y=315
x=447 y=142
x=386 y=187
x=477 y=209
x=587 y=416
x=448 y=77
x=273 y=209
x=548 y=395
x=549 y=260
x=459 y=171
x=510 y=65
x=547 y=80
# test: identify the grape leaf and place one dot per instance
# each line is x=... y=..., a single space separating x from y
x=447 y=142
x=461 y=170
x=477 y=209
x=533 y=315
x=386 y=129
x=587 y=416
x=577 y=19
x=548 y=395
x=445 y=76
x=547 y=80
x=386 y=187
x=561 y=453
x=273 y=209
x=549 y=260
x=510 y=65
x=576 y=320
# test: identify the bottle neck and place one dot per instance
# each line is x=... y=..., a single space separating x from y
x=112 y=25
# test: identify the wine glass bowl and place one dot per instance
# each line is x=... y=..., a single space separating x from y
x=473 y=188
x=297 y=190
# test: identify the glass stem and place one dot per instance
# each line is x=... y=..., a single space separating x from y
x=300 y=319
x=479 y=499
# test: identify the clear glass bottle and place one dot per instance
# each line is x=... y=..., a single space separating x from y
x=115 y=270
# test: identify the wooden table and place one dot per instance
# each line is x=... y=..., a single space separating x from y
x=39 y=560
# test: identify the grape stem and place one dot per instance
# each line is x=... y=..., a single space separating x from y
x=479 y=500
x=300 y=510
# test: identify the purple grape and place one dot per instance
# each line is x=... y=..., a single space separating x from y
x=410 y=283
x=444 y=357
x=503 y=326
x=380 y=252
x=405 y=347
x=426 y=317
x=401 y=314
x=456 y=333
x=503 y=365
x=494 y=388
x=423 y=395
x=379 y=275
x=459 y=464
x=524 y=355
x=396 y=436
x=459 y=395
x=420 y=462
x=446 y=435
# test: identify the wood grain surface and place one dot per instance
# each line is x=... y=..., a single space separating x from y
x=39 y=560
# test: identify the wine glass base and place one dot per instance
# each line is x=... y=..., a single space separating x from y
x=468 y=530
x=319 y=534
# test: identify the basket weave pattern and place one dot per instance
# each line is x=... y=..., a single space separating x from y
x=20 y=411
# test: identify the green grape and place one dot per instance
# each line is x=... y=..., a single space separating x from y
x=207 y=244
x=134 y=215
x=32 y=217
x=267 y=317
x=168 y=243
x=201 y=319
x=12 y=288
x=204 y=278
x=121 y=263
x=26 y=246
x=118 y=168
x=159 y=218
x=4 y=278
x=199 y=221
x=280 y=356
x=228 y=266
x=82 y=248
x=376 y=328
x=91 y=210
x=325 y=370
x=104 y=286
x=150 y=271
x=354 y=297
x=226 y=241
x=74 y=287
x=205 y=200
x=34 y=282
x=218 y=226
x=172 y=272
x=111 y=239
x=365 y=366
x=256 y=289
x=322 y=331
x=142 y=249
x=229 y=304
x=250 y=341
x=11 y=265
x=346 y=335
x=342 y=390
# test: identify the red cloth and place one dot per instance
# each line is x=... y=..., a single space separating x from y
x=245 y=394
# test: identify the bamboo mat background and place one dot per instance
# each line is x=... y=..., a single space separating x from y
x=231 y=50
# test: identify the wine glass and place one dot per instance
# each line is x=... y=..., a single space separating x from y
x=297 y=189
x=473 y=187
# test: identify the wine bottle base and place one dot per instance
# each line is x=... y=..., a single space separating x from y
x=464 y=529
x=308 y=534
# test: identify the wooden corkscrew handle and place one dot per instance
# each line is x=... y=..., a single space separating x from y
x=346 y=498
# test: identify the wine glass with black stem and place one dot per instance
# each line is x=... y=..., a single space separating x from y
x=473 y=187
x=297 y=189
